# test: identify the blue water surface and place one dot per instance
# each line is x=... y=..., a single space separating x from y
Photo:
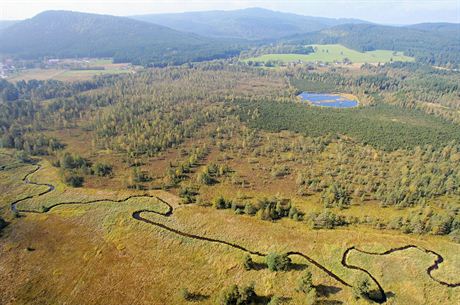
x=328 y=100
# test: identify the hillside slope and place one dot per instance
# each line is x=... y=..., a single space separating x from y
x=252 y=23
x=428 y=44
x=72 y=34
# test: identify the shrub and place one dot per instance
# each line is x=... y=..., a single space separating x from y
x=273 y=209
x=327 y=220
x=280 y=171
x=139 y=176
x=305 y=283
x=206 y=179
x=73 y=180
x=73 y=161
x=361 y=288
x=23 y=156
x=235 y=295
x=102 y=169
x=248 y=264
x=295 y=214
x=221 y=203
x=249 y=209
x=188 y=194
x=335 y=196
x=278 y=262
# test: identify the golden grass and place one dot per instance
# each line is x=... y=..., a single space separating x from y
x=98 y=254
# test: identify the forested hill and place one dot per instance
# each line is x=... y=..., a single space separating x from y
x=435 y=44
x=442 y=27
x=252 y=23
x=72 y=34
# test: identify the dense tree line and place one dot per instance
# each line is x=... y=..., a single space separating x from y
x=429 y=46
x=366 y=124
x=410 y=85
x=265 y=209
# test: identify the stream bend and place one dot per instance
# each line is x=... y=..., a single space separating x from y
x=138 y=215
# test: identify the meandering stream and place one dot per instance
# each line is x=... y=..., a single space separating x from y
x=138 y=215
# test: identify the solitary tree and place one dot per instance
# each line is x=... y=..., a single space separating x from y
x=305 y=283
x=361 y=288
x=278 y=262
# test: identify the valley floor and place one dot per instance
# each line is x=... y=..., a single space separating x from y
x=99 y=254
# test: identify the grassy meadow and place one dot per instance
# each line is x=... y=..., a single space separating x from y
x=67 y=74
x=335 y=53
x=110 y=252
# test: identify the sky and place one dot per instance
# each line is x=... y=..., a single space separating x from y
x=379 y=11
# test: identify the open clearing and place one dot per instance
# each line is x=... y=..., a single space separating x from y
x=92 y=67
x=335 y=53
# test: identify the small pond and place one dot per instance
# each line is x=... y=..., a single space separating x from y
x=328 y=100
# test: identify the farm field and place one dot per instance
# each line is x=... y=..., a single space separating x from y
x=335 y=53
x=67 y=74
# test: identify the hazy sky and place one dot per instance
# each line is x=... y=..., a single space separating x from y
x=381 y=11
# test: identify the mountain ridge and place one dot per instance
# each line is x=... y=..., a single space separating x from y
x=251 y=23
x=75 y=34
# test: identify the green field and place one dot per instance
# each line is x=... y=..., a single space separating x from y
x=333 y=53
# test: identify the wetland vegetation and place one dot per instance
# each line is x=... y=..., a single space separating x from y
x=213 y=182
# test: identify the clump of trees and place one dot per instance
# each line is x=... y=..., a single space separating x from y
x=235 y=295
x=279 y=171
x=265 y=209
x=210 y=174
x=102 y=169
x=74 y=168
x=188 y=194
x=335 y=196
x=180 y=172
x=326 y=220
x=73 y=179
x=36 y=145
x=278 y=262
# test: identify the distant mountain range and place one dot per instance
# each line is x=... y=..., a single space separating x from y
x=179 y=38
x=251 y=23
x=72 y=34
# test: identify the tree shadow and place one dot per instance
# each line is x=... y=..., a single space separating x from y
x=326 y=291
x=259 y=266
x=198 y=297
x=389 y=294
x=376 y=296
x=297 y=267
x=264 y=300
